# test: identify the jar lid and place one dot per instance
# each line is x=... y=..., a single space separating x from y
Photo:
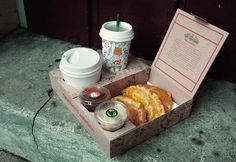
x=93 y=95
x=111 y=115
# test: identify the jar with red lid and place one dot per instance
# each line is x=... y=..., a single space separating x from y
x=94 y=95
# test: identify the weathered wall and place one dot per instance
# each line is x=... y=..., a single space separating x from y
x=8 y=16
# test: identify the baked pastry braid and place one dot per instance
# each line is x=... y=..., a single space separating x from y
x=137 y=112
x=164 y=96
x=151 y=101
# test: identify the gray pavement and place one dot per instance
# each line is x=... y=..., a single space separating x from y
x=209 y=134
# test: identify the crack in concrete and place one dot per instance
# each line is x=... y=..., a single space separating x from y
x=12 y=154
x=49 y=92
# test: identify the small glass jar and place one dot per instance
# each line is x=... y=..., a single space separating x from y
x=94 y=95
x=111 y=115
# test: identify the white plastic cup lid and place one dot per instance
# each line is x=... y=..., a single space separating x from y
x=108 y=32
x=79 y=61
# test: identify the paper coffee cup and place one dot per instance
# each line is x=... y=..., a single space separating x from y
x=80 y=67
x=116 y=45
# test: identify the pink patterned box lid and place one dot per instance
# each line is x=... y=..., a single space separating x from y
x=187 y=51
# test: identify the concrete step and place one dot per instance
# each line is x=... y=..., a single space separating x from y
x=36 y=125
x=6 y=156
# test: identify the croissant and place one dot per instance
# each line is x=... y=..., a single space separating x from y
x=164 y=96
x=151 y=101
x=137 y=112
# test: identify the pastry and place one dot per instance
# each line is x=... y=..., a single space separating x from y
x=151 y=101
x=137 y=112
x=164 y=96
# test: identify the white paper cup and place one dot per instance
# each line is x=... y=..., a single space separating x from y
x=116 y=45
x=80 y=67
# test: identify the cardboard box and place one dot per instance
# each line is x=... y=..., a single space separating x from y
x=181 y=64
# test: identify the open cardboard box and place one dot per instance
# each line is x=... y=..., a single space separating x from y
x=185 y=55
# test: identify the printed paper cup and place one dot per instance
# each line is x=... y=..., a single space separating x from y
x=116 y=45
